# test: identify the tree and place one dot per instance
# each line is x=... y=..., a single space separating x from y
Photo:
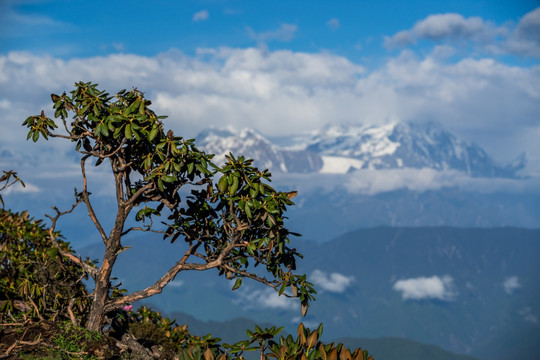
x=231 y=219
x=34 y=278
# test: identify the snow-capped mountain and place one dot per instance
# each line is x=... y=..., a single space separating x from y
x=407 y=145
x=253 y=145
x=344 y=148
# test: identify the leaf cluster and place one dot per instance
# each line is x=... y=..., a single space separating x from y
x=306 y=346
x=8 y=178
x=35 y=280
x=147 y=324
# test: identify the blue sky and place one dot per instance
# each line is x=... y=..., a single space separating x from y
x=282 y=67
x=355 y=29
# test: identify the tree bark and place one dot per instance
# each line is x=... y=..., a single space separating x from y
x=101 y=292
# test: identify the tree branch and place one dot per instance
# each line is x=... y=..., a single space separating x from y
x=86 y=200
x=77 y=260
x=144 y=229
x=158 y=286
x=273 y=284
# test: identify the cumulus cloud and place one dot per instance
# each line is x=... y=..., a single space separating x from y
x=520 y=39
x=284 y=33
x=334 y=282
x=286 y=92
x=372 y=182
x=201 y=15
x=442 y=27
x=426 y=288
x=511 y=284
x=525 y=40
x=266 y=298
x=333 y=24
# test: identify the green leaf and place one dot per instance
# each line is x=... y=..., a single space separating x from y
x=52 y=252
x=254 y=191
x=222 y=184
x=84 y=109
x=152 y=135
x=234 y=186
x=237 y=284
x=169 y=178
x=248 y=211
x=104 y=129
x=282 y=288
x=117 y=132
x=35 y=136
x=190 y=167
x=127 y=131
x=141 y=108
x=140 y=214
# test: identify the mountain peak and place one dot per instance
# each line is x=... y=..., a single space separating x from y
x=250 y=143
x=340 y=148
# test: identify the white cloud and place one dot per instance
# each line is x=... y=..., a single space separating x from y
x=175 y=283
x=15 y=23
x=525 y=40
x=118 y=46
x=286 y=92
x=266 y=298
x=333 y=24
x=511 y=284
x=201 y=15
x=426 y=288
x=284 y=33
x=372 y=182
x=520 y=39
x=18 y=188
x=443 y=26
x=528 y=315
x=334 y=282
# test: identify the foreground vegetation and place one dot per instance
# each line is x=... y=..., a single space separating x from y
x=233 y=220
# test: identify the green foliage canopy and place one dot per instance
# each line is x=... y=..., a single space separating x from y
x=231 y=217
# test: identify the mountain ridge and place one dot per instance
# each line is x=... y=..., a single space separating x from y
x=346 y=148
x=482 y=285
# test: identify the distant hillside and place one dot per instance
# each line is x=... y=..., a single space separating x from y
x=383 y=349
x=465 y=290
x=230 y=331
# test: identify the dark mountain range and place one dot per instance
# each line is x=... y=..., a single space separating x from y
x=322 y=215
x=383 y=348
x=469 y=291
